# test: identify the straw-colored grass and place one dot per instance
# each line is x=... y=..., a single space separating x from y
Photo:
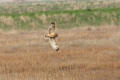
x=93 y=54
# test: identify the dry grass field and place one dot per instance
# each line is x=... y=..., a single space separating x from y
x=89 y=53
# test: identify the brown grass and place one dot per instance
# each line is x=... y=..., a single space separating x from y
x=86 y=54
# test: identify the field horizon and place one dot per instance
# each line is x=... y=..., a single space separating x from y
x=66 y=15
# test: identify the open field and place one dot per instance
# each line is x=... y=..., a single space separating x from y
x=89 y=40
x=87 y=53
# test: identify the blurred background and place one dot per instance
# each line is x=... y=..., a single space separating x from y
x=37 y=14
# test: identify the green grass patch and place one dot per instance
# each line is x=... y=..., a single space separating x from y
x=64 y=18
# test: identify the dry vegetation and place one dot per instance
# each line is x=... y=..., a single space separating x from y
x=86 y=54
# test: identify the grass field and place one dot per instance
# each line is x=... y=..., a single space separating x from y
x=91 y=55
x=88 y=37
